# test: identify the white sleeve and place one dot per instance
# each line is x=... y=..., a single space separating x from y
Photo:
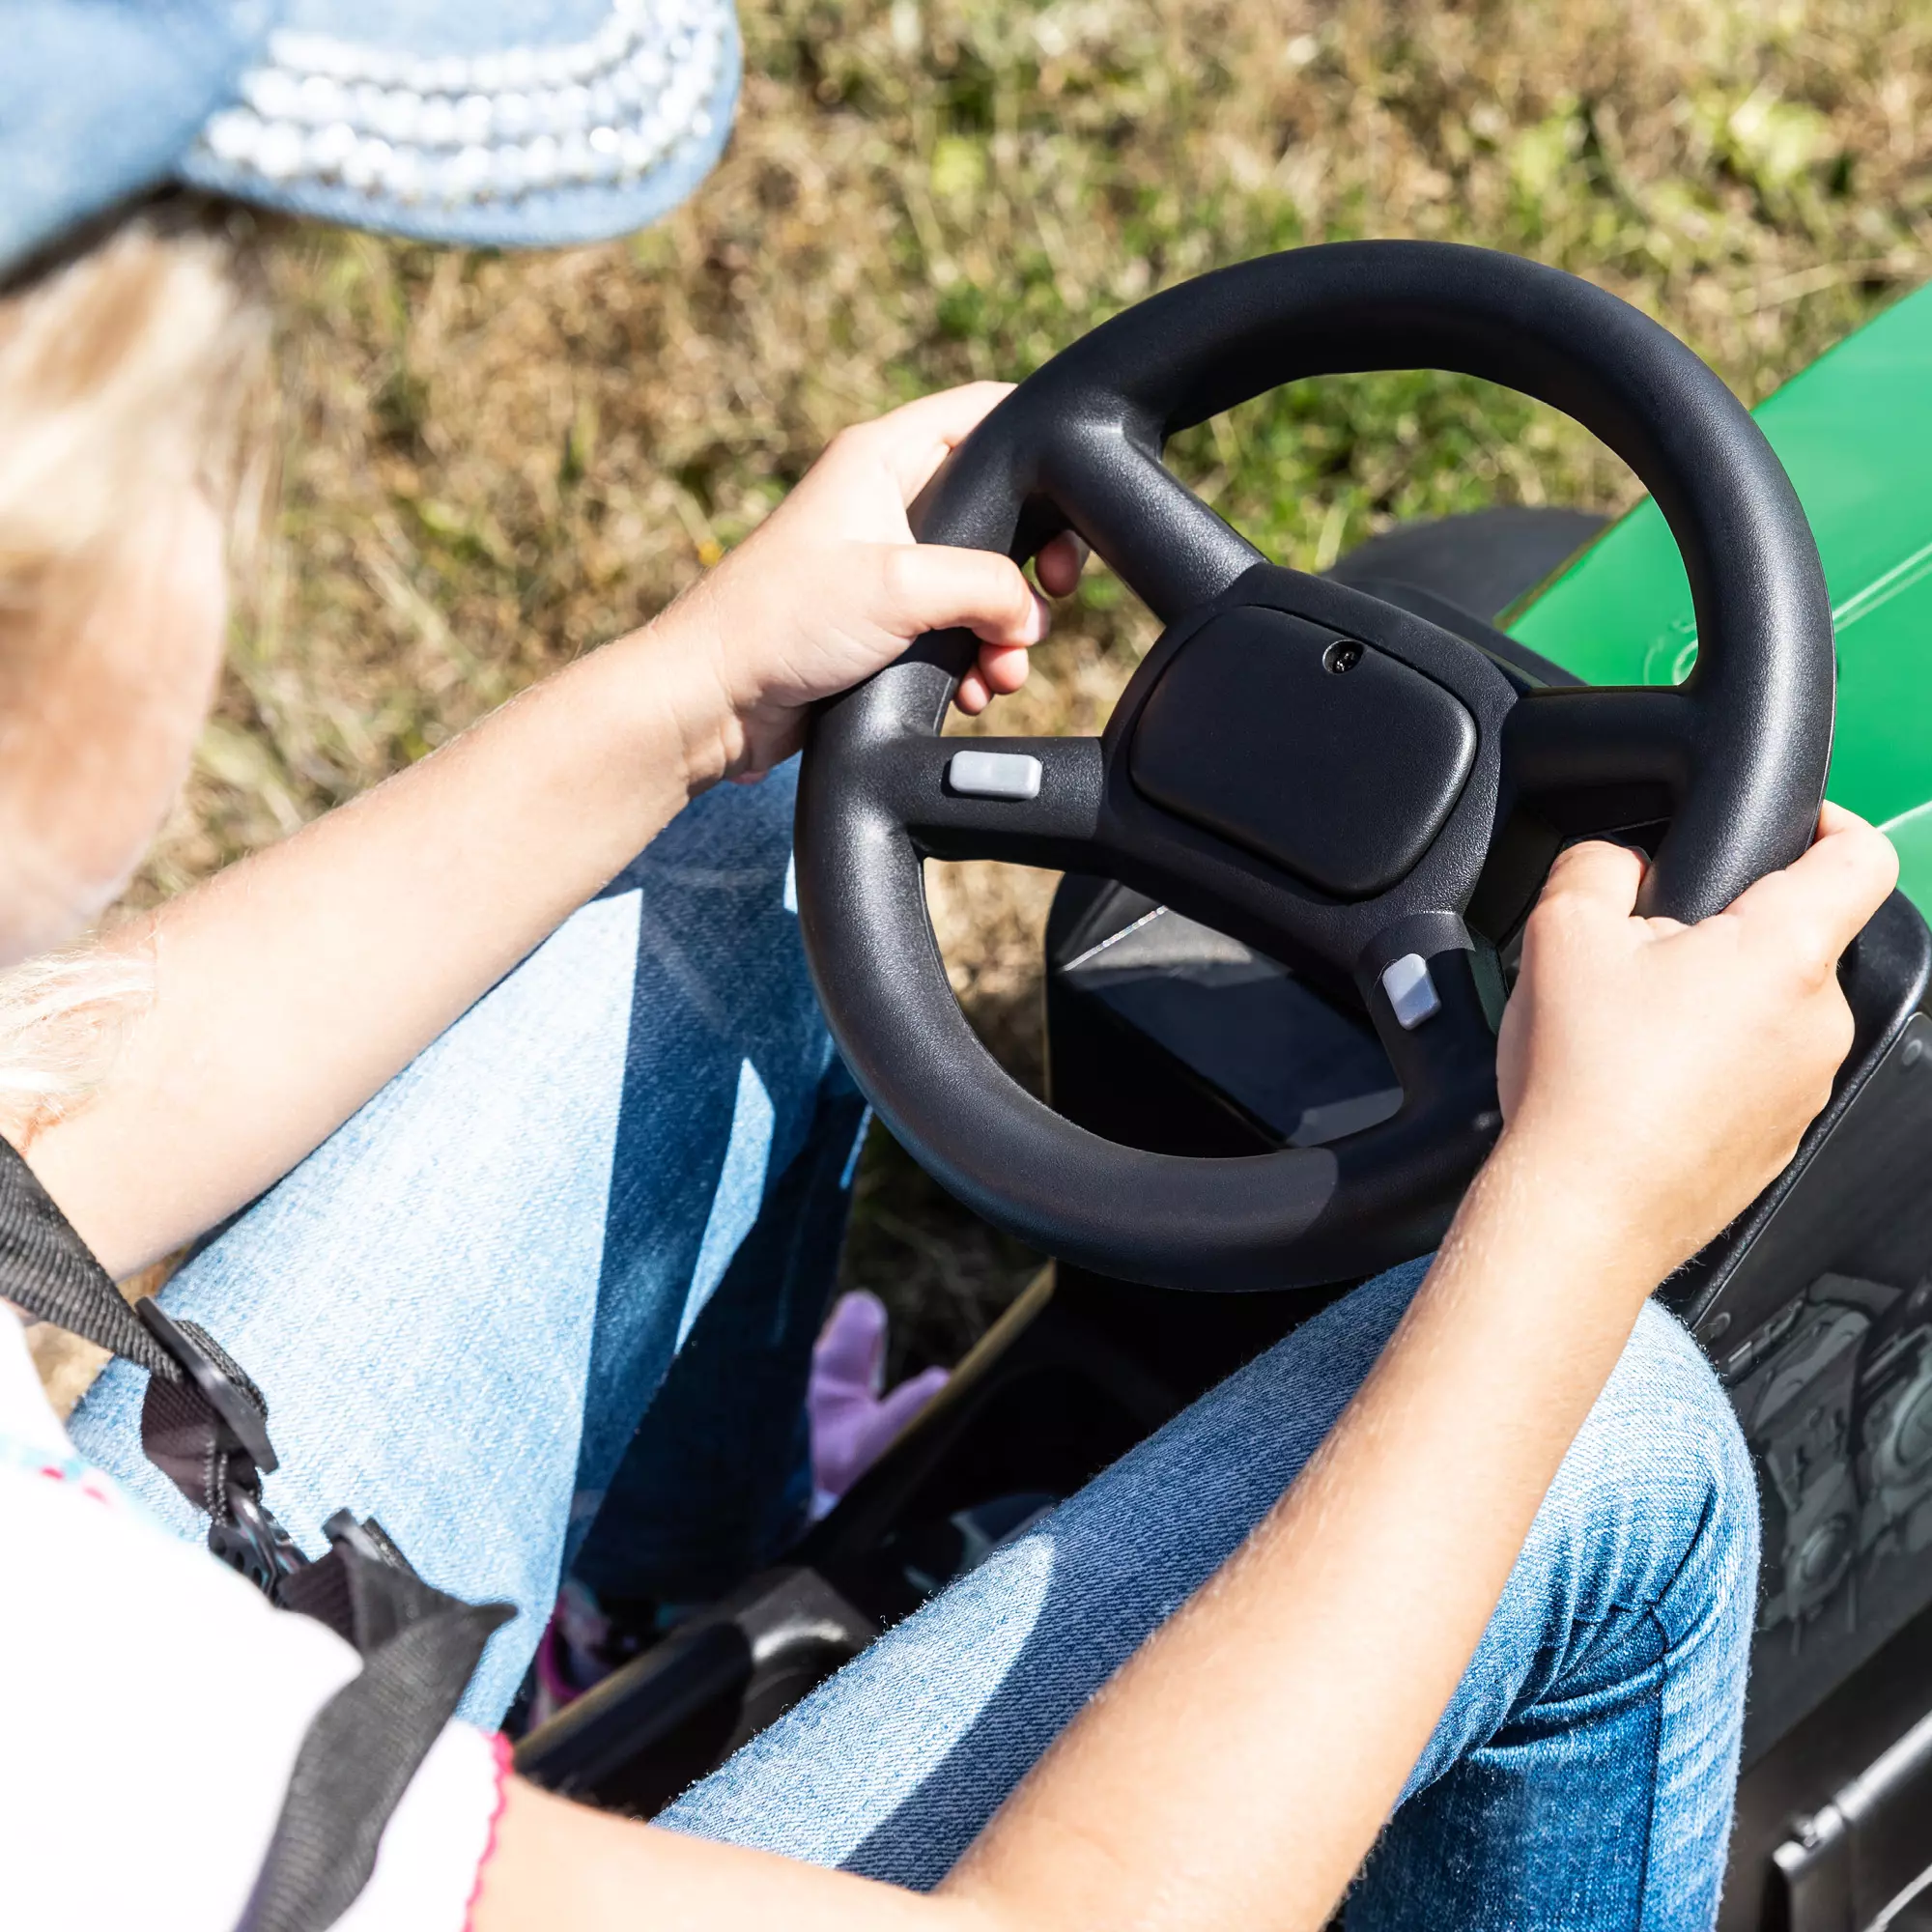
x=154 y=1707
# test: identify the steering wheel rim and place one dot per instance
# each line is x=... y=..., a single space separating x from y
x=1742 y=748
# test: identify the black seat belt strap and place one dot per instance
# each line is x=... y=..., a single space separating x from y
x=204 y=1425
x=420 y=1648
x=48 y=1270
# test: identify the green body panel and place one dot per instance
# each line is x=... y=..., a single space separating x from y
x=1854 y=431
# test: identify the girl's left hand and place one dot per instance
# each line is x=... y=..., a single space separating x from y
x=832 y=588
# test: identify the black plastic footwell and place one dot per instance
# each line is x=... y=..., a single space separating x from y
x=664 y=1719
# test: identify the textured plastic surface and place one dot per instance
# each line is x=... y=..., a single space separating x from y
x=1743 y=748
x=1854 y=432
x=1335 y=760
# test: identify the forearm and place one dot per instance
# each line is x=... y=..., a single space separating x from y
x=287 y=989
x=291 y=988
x=1239 y=1768
x=557 y=1863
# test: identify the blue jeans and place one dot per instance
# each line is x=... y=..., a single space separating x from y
x=566 y=1268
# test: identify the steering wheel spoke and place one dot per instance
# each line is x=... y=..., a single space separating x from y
x=1165 y=544
x=1574 y=736
x=1596 y=758
x=1423 y=985
x=1030 y=800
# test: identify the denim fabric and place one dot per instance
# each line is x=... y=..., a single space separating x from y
x=99 y=98
x=460 y=1305
x=1581 y=1776
x=546 y=215
x=102 y=99
x=614 y=1191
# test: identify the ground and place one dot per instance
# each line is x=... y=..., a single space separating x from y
x=486 y=464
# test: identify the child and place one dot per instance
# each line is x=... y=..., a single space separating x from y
x=518 y=1064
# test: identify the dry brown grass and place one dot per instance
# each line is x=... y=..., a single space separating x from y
x=489 y=464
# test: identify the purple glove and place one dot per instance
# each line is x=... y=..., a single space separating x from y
x=851 y=1422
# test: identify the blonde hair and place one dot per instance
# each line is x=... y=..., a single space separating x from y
x=126 y=373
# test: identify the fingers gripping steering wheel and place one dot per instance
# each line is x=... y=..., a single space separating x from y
x=1316 y=772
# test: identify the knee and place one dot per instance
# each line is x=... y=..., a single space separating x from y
x=1657 y=1502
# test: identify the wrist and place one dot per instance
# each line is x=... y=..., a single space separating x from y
x=676 y=701
x=1540 y=1195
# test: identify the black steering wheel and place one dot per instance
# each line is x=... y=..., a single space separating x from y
x=1316 y=772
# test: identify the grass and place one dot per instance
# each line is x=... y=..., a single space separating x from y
x=489 y=464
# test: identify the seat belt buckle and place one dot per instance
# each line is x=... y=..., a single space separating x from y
x=243 y=1532
x=252 y=1541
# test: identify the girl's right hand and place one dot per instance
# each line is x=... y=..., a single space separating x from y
x=832 y=588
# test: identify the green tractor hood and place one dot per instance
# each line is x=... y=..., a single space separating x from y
x=1854 y=431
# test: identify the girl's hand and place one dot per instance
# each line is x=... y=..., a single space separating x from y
x=1661 y=1076
x=831 y=586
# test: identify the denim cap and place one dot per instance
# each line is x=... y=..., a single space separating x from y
x=507 y=123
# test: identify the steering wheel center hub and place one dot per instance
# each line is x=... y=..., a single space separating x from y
x=1333 y=759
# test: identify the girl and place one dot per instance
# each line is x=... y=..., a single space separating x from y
x=516 y=1148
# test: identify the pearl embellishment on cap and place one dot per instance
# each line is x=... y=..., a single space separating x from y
x=480 y=127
